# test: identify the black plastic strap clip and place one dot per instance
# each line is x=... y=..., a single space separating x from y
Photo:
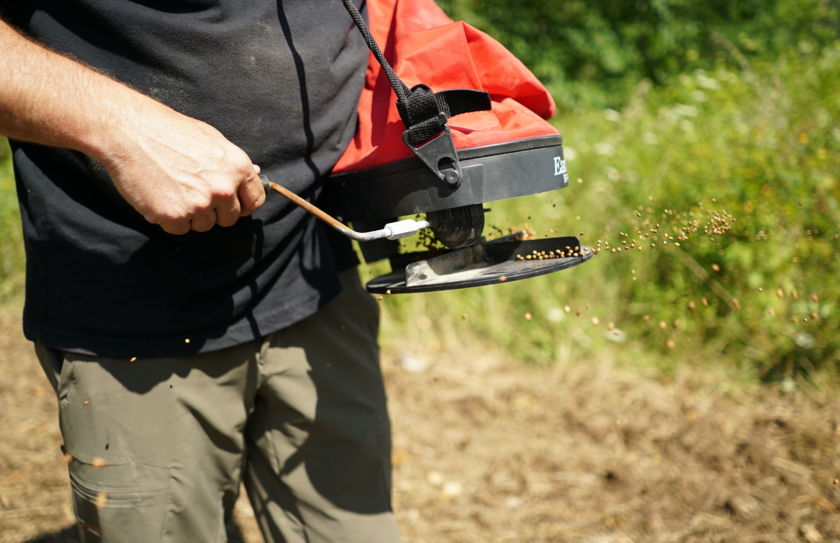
x=439 y=155
x=424 y=113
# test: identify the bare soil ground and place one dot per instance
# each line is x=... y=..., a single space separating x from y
x=487 y=449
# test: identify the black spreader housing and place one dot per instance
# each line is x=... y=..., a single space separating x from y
x=408 y=187
x=370 y=198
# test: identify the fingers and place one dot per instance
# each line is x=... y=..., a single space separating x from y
x=174 y=227
x=247 y=197
x=226 y=209
x=251 y=193
x=204 y=221
x=226 y=212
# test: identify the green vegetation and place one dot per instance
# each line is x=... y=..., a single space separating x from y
x=11 y=244
x=714 y=121
x=696 y=117
x=754 y=142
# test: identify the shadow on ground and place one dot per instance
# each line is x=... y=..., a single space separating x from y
x=71 y=535
x=67 y=535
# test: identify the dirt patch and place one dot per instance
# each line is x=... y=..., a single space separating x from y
x=501 y=452
x=490 y=450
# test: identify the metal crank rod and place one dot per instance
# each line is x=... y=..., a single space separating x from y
x=393 y=230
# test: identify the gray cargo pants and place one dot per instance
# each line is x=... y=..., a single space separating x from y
x=158 y=447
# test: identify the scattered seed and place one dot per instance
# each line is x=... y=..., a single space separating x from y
x=463 y=316
x=528 y=316
x=502 y=278
x=187 y=340
x=705 y=302
x=567 y=309
x=691 y=305
x=671 y=344
x=98 y=462
x=133 y=359
x=101 y=500
x=646 y=318
x=663 y=325
x=780 y=293
x=388 y=292
x=86 y=403
x=595 y=321
x=715 y=268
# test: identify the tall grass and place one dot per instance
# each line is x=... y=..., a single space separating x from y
x=759 y=144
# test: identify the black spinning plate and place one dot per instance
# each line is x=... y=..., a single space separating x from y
x=484 y=264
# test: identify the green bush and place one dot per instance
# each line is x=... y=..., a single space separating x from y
x=595 y=52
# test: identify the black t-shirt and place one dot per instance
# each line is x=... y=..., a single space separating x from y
x=281 y=79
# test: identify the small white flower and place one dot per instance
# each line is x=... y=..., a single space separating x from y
x=707 y=82
x=555 y=314
x=685 y=110
x=612 y=115
x=616 y=335
x=604 y=148
x=804 y=340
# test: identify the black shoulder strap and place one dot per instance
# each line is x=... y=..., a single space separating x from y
x=425 y=112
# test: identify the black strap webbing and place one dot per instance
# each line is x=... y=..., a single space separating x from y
x=397 y=84
x=423 y=111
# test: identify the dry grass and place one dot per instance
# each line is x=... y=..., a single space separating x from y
x=490 y=450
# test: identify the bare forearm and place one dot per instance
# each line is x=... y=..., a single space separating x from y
x=176 y=171
x=48 y=98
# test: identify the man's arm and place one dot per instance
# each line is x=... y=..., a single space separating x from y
x=177 y=171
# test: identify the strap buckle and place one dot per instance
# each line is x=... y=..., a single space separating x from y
x=439 y=155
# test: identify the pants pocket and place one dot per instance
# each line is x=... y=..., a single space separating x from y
x=126 y=503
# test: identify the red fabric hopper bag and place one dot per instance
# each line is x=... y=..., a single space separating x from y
x=425 y=46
